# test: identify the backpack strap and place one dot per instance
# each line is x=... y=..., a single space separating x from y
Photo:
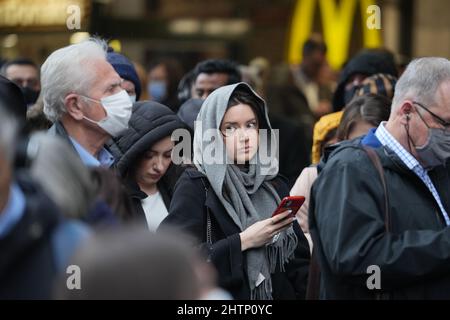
x=373 y=156
x=313 y=286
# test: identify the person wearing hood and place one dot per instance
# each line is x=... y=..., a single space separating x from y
x=125 y=69
x=361 y=66
x=364 y=65
x=226 y=201
x=189 y=111
x=143 y=160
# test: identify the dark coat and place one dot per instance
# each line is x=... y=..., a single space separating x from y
x=346 y=219
x=188 y=211
x=30 y=261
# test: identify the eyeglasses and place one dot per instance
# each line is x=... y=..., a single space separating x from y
x=445 y=124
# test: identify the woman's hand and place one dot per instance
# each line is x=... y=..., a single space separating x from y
x=262 y=232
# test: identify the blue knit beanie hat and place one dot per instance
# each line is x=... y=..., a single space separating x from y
x=125 y=69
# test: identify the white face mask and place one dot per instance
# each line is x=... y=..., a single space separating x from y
x=133 y=99
x=118 y=112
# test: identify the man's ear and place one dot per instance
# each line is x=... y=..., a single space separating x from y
x=72 y=102
x=404 y=112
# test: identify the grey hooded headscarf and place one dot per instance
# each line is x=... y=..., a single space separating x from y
x=247 y=195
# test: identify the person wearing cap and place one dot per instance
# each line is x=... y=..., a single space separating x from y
x=143 y=155
x=127 y=72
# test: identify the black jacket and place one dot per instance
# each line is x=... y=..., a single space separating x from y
x=347 y=226
x=27 y=264
x=188 y=211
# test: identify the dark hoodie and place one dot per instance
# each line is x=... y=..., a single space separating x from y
x=367 y=63
x=149 y=123
x=189 y=111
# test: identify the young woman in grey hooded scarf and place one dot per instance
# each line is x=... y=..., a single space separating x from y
x=227 y=200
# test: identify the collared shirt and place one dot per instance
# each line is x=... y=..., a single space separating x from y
x=13 y=211
x=105 y=158
x=389 y=141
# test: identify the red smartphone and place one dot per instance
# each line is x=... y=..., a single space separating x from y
x=292 y=203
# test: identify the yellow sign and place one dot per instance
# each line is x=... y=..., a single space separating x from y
x=32 y=13
x=337 y=22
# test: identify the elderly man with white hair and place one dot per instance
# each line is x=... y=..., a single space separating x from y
x=379 y=214
x=83 y=98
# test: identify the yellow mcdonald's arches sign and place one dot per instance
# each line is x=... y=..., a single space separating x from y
x=337 y=22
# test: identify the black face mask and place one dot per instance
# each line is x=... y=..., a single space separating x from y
x=30 y=95
x=349 y=94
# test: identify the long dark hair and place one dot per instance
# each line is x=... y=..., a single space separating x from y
x=371 y=108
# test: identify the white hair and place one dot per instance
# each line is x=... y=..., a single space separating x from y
x=421 y=80
x=68 y=70
x=8 y=134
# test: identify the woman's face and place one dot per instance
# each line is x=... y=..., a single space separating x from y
x=240 y=133
x=155 y=162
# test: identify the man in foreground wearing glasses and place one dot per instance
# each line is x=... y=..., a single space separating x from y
x=393 y=243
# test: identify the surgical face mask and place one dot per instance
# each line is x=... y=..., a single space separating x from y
x=133 y=98
x=436 y=151
x=157 y=90
x=118 y=112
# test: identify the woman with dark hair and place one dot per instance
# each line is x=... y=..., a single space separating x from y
x=143 y=160
x=363 y=113
x=227 y=200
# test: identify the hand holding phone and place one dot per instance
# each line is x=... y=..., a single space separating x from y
x=292 y=203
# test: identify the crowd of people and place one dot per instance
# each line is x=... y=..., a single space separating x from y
x=89 y=177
